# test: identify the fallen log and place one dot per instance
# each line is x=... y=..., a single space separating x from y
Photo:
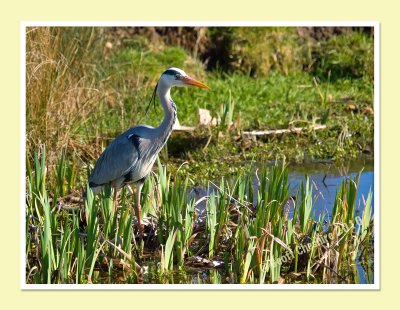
x=282 y=131
x=179 y=127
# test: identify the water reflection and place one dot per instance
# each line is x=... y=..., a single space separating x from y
x=326 y=179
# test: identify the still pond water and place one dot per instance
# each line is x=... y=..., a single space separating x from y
x=326 y=179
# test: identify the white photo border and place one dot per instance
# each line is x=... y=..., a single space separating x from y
x=376 y=194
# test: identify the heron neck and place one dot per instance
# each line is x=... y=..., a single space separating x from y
x=169 y=107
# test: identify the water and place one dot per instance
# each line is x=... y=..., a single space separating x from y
x=326 y=179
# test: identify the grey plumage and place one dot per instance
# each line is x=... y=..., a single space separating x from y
x=132 y=152
x=130 y=157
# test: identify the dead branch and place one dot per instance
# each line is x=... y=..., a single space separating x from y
x=282 y=131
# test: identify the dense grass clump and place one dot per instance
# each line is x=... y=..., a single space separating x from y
x=248 y=234
x=86 y=85
x=350 y=56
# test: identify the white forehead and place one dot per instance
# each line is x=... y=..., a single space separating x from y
x=178 y=70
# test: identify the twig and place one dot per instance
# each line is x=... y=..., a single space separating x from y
x=184 y=128
x=282 y=131
x=231 y=197
x=179 y=127
x=118 y=248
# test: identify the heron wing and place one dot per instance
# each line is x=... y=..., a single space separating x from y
x=116 y=160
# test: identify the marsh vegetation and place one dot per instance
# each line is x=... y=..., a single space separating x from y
x=84 y=86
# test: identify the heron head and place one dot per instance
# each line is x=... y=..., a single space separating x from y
x=173 y=77
x=177 y=77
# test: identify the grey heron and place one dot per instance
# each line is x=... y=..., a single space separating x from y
x=130 y=157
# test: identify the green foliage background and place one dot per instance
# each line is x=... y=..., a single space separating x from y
x=87 y=85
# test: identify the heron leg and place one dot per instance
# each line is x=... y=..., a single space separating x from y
x=115 y=200
x=138 y=209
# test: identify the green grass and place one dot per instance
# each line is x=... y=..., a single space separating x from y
x=257 y=243
x=84 y=88
x=81 y=94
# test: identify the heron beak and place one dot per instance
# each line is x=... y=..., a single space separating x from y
x=188 y=80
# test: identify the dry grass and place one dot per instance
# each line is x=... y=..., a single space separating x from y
x=61 y=85
x=86 y=85
x=82 y=89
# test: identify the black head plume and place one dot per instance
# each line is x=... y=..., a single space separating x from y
x=152 y=99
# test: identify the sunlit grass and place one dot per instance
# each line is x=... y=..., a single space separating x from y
x=81 y=94
x=83 y=90
x=245 y=242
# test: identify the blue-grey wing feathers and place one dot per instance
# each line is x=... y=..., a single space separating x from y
x=117 y=160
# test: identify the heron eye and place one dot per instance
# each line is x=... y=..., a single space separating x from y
x=176 y=76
